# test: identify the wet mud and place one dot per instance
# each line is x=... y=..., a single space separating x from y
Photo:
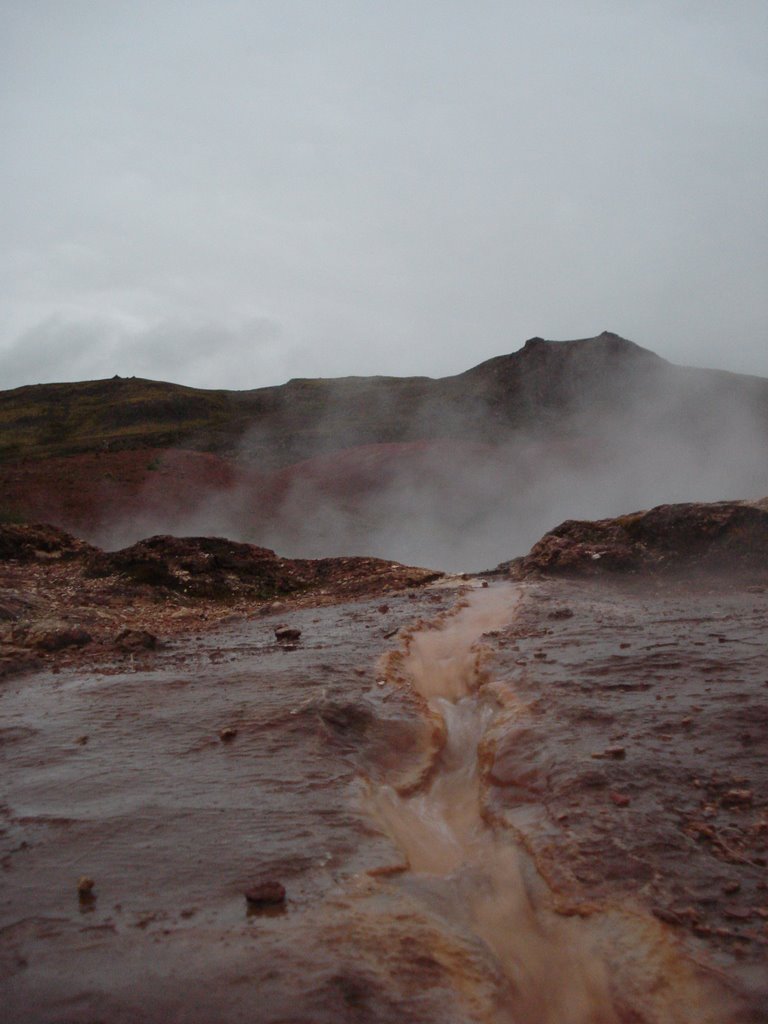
x=632 y=766
x=222 y=763
x=554 y=959
x=415 y=775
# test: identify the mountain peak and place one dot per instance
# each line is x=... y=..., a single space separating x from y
x=605 y=343
x=581 y=358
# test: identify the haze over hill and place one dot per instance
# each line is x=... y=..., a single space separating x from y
x=459 y=472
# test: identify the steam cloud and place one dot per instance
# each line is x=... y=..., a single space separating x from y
x=444 y=492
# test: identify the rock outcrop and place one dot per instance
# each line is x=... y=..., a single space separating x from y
x=730 y=536
x=39 y=542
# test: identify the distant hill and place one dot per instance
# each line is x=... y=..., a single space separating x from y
x=589 y=427
x=543 y=386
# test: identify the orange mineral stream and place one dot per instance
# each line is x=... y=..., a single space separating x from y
x=604 y=967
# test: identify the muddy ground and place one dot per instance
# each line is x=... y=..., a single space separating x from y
x=633 y=759
x=179 y=780
x=621 y=770
x=64 y=602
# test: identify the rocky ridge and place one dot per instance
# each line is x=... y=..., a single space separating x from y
x=688 y=538
x=65 y=601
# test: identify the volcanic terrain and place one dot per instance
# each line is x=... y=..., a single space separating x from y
x=316 y=784
x=477 y=464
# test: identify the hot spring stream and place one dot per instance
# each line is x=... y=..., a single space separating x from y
x=548 y=969
x=356 y=771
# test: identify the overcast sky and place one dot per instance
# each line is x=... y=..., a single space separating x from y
x=229 y=193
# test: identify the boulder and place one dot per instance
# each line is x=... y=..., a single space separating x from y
x=717 y=536
x=39 y=542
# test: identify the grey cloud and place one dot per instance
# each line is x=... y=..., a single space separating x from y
x=407 y=189
x=202 y=355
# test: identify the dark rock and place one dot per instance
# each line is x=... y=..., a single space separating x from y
x=227 y=733
x=669 y=916
x=273 y=608
x=58 y=639
x=209 y=567
x=14 y=605
x=352 y=719
x=266 y=893
x=726 y=535
x=14 y=662
x=287 y=634
x=136 y=640
x=737 y=798
x=620 y=799
x=85 y=886
x=39 y=542
x=561 y=613
x=611 y=753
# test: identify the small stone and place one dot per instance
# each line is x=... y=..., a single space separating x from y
x=731 y=887
x=267 y=893
x=227 y=733
x=737 y=798
x=620 y=799
x=667 y=915
x=383 y=608
x=85 y=886
x=273 y=608
x=612 y=753
x=561 y=613
x=738 y=913
x=136 y=640
x=57 y=639
x=287 y=634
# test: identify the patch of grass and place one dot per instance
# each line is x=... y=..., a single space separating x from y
x=47 y=420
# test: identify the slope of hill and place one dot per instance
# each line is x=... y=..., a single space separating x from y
x=446 y=471
x=530 y=389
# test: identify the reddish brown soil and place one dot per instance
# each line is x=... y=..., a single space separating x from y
x=628 y=752
x=88 y=493
x=181 y=779
x=684 y=538
x=356 y=473
x=64 y=602
x=635 y=762
x=83 y=492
